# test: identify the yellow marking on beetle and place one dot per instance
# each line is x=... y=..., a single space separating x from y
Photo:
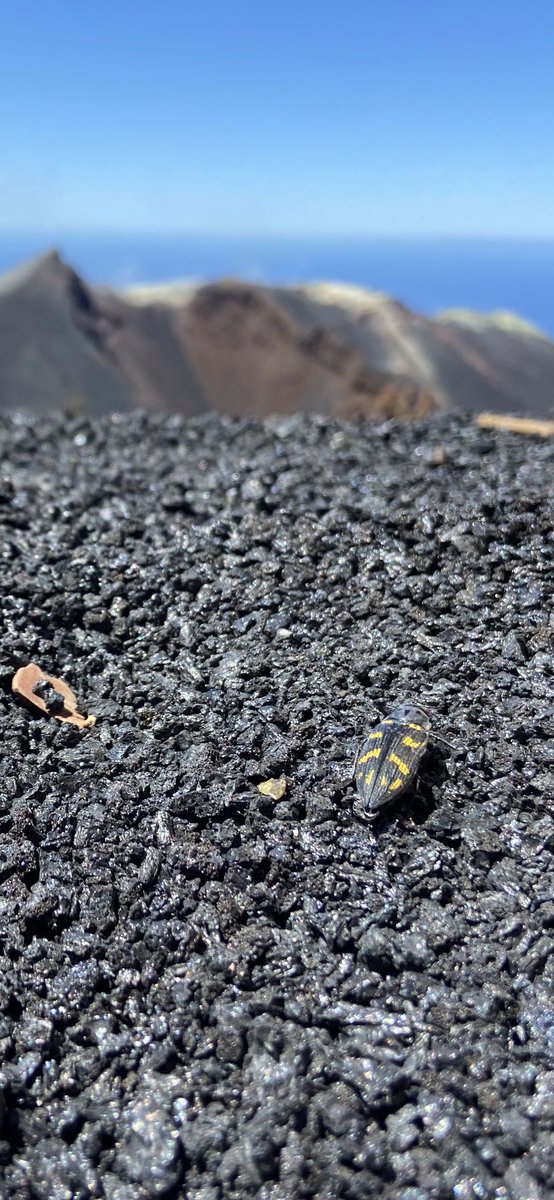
x=396 y=785
x=376 y=734
x=411 y=742
x=370 y=754
x=388 y=721
x=398 y=762
x=412 y=725
x=369 y=776
x=384 y=781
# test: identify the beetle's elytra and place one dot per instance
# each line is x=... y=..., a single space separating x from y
x=387 y=762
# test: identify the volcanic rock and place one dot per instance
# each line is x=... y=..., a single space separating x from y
x=210 y=992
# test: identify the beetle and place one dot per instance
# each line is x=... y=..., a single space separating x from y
x=388 y=760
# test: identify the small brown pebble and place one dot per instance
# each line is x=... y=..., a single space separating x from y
x=275 y=788
x=49 y=694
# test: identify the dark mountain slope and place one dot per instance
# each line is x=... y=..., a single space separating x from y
x=55 y=343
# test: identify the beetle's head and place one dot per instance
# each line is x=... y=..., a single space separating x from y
x=410 y=713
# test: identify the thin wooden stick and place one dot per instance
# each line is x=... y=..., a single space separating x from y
x=516 y=424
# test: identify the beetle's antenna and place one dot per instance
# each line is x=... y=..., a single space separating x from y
x=438 y=737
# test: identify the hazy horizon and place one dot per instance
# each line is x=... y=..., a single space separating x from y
x=50 y=235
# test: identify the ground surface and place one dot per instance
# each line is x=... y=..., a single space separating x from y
x=211 y=994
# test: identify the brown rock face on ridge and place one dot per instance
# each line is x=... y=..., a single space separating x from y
x=252 y=357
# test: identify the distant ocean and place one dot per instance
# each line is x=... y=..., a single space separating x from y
x=426 y=274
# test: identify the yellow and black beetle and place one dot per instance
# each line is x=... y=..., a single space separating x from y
x=388 y=760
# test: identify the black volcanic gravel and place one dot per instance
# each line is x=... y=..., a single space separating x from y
x=211 y=994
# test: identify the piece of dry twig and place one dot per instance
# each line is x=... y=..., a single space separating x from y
x=516 y=424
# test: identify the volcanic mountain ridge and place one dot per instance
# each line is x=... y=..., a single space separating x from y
x=247 y=349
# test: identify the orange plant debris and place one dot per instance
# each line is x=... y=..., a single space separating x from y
x=25 y=682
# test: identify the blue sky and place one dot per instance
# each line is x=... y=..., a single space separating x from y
x=363 y=117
